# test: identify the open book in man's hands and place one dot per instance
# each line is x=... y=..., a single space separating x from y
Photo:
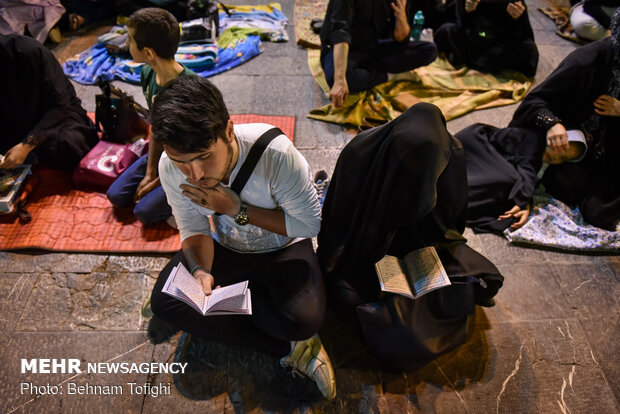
x=417 y=274
x=228 y=300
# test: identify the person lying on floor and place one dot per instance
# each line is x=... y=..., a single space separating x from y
x=261 y=233
x=397 y=188
x=153 y=38
x=503 y=166
x=364 y=40
x=42 y=118
x=490 y=36
x=582 y=93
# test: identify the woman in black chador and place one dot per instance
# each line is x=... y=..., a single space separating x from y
x=397 y=188
x=490 y=35
x=42 y=119
x=582 y=93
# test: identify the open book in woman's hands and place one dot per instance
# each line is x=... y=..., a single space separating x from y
x=415 y=275
x=227 y=300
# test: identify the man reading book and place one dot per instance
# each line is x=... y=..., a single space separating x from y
x=261 y=234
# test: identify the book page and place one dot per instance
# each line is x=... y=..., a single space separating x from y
x=237 y=305
x=171 y=290
x=392 y=276
x=425 y=271
x=191 y=288
x=224 y=294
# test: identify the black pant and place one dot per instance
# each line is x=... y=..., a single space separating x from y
x=288 y=298
x=368 y=69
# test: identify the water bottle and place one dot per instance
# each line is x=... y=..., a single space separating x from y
x=417 y=25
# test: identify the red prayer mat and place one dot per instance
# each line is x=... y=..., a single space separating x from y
x=67 y=219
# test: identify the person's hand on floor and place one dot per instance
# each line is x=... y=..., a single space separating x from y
x=607 y=105
x=16 y=156
x=516 y=9
x=147 y=185
x=557 y=139
x=339 y=92
x=220 y=199
x=470 y=5
x=518 y=214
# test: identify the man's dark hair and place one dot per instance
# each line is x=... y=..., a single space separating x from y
x=189 y=114
x=156 y=28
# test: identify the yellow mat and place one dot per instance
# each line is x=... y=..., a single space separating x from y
x=305 y=11
x=455 y=91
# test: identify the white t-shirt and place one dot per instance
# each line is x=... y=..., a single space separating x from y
x=282 y=178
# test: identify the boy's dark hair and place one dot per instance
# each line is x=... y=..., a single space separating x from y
x=189 y=114
x=156 y=28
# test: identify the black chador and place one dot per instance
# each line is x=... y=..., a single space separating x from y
x=39 y=105
x=397 y=188
x=567 y=97
x=501 y=172
x=489 y=39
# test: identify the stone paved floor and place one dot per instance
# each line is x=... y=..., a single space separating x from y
x=549 y=345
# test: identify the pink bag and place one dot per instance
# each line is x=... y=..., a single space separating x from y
x=105 y=162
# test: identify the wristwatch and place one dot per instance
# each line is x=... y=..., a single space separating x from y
x=242 y=216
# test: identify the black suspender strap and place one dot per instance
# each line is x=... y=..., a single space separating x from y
x=252 y=159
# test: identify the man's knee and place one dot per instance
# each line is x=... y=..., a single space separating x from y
x=145 y=213
x=428 y=52
x=117 y=197
x=159 y=304
x=306 y=307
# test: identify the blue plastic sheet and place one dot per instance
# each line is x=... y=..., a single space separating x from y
x=95 y=64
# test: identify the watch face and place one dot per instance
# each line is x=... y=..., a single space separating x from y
x=241 y=220
x=242 y=217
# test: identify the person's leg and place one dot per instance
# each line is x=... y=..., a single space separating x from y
x=122 y=191
x=358 y=78
x=153 y=207
x=291 y=292
x=236 y=329
x=450 y=41
x=395 y=58
x=288 y=297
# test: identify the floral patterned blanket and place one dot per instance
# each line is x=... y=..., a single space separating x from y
x=554 y=224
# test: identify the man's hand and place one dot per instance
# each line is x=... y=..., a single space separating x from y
x=220 y=199
x=206 y=280
x=339 y=92
x=516 y=9
x=557 y=139
x=16 y=156
x=607 y=105
x=400 y=9
x=519 y=215
x=470 y=5
x=147 y=185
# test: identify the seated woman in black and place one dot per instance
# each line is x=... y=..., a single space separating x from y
x=582 y=93
x=502 y=169
x=42 y=119
x=490 y=35
x=397 y=188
